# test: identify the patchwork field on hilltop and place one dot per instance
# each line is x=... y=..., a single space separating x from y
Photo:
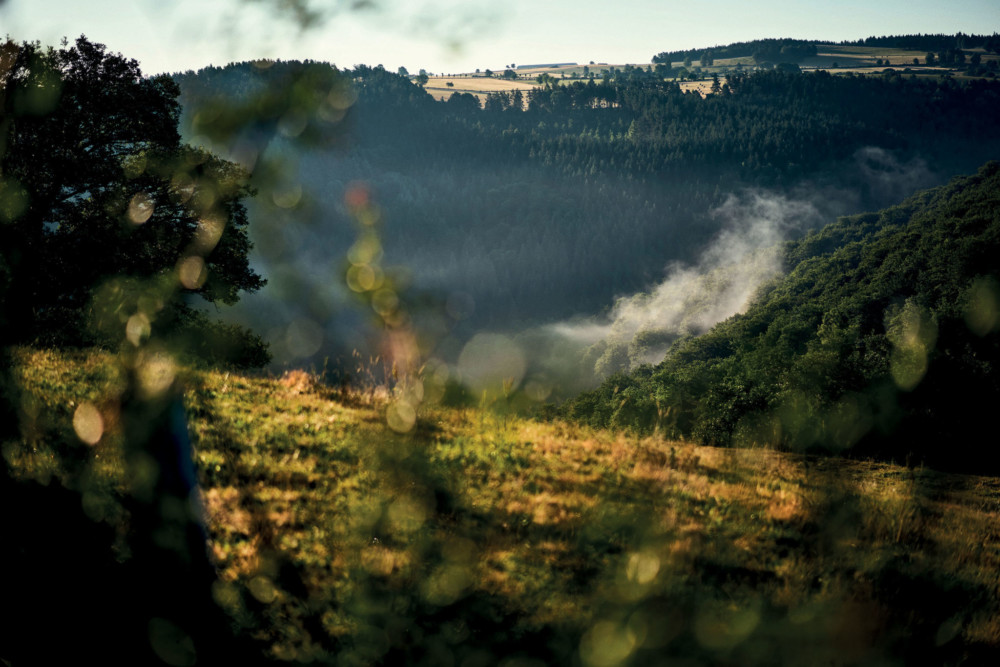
x=833 y=57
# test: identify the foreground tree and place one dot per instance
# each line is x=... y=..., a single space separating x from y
x=104 y=215
x=107 y=224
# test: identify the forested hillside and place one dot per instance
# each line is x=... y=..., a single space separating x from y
x=533 y=210
x=794 y=50
x=882 y=339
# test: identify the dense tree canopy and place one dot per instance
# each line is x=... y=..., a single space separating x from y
x=882 y=339
x=777 y=50
x=793 y=50
x=104 y=211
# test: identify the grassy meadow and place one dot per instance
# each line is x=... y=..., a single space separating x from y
x=483 y=537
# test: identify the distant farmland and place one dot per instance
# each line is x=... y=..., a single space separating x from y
x=833 y=57
x=479 y=86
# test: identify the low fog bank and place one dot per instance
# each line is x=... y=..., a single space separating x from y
x=722 y=281
x=692 y=297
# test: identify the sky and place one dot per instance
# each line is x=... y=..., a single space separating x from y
x=450 y=36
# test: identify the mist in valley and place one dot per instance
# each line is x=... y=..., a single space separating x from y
x=475 y=270
x=483 y=231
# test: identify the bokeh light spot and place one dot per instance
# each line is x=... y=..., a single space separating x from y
x=447 y=584
x=341 y=97
x=206 y=237
x=263 y=589
x=182 y=186
x=331 y=114
x=88 y=423
x=401 y=416
x=435 y=376
x=385 y=302
x=982 y=310
x=913 y=331
x=137 y=329
x=607 y=644
x=303 y=338
x=192 y=272
x=288 y=197
x=365 y=251
x=13 y=200
x=226 y=595
x=156 y=373
x=643 y=567
x=488 y=361
x=364 y=278
x=140 y=208
x=407 y=514
x=908 y=366
x=205 y=196
x=357 y=195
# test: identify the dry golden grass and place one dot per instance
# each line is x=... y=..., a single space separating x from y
x=475 y=85
x=703 y=88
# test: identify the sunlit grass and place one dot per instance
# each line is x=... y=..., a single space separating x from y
x=612 y=549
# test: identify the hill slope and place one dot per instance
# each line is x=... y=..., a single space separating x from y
x=882 y=338
x=480 y=537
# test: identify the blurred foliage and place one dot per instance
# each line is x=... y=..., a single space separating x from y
x=882 y=339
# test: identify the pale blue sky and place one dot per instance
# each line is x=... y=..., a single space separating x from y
x=455 y=36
